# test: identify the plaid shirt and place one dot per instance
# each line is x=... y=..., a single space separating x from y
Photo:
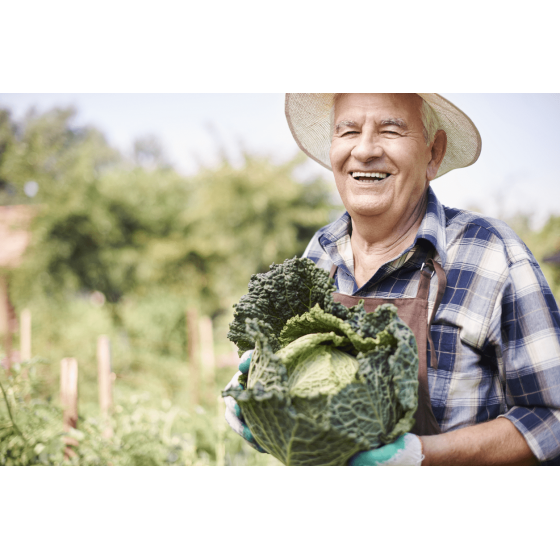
x=497 y=330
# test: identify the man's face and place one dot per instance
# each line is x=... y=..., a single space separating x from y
x=380 y=133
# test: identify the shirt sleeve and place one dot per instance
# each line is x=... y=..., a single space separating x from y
x=528 y=322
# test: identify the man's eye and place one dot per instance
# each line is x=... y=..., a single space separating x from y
x=350 y=132
x=391 y=132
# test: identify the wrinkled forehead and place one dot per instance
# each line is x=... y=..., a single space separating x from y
x=379 y=105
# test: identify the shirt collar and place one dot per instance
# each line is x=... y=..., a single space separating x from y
x=335 y=238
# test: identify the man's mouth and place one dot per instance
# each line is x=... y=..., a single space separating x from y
x=369 y=177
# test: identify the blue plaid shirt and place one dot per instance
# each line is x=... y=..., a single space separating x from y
x=497 y=330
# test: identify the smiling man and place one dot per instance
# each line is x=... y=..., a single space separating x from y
x=486 y=324
x=382 y=166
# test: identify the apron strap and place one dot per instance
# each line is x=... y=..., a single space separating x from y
x=333 y=271
x=442 y=285
x=424 y=283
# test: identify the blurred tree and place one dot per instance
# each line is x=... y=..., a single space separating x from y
x=134 y=227
x=8 y=193
x=148 y=152
x=70 y=230
x=245 y=218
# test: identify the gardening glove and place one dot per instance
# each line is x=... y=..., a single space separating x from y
x=234 y=416
x=406 y=451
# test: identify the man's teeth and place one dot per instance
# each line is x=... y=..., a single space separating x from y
x=371 y=175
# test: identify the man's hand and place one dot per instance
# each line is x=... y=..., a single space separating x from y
x=406 y=451
x=234 y=416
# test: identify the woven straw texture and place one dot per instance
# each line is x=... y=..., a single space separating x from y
x=308 y=117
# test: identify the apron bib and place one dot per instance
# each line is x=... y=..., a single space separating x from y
x=413 y=312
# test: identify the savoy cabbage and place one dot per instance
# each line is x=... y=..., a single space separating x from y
x=325 y=381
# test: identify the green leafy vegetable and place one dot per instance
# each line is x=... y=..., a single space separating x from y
x=325 y=382
x=317 y=369
x=286 y=291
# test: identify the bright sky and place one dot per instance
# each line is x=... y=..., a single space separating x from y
x=515 y=172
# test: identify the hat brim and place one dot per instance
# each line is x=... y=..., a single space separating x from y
x=308 y=116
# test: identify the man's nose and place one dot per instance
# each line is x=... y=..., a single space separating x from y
x=368 y=147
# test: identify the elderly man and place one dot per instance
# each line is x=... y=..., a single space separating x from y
x=493 y=346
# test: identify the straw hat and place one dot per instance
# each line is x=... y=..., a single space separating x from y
x=309 y=119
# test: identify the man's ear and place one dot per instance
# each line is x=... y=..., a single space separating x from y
x=439 y=147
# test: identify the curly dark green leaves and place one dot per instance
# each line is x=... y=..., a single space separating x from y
x=370 y=325
x=286 y=291
x=319 y=321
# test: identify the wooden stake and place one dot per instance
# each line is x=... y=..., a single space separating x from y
x=69 y=401
x=25 y=335
x=69 y=393
x=207 y=352
x=105 y=381
x=193 y=352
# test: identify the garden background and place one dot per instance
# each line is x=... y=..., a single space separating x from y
x=125 y=239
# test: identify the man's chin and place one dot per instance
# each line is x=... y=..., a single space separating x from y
x=367 y=208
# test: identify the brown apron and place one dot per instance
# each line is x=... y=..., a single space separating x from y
x=414 y=312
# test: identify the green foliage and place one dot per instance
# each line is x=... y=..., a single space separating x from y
x=122 y=247
x=324 y=387
x=31 y=428
x=142 y=433
x=287 y=290
x=125 y=228
x=245 y=218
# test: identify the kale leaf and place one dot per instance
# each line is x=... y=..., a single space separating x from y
x=287 y=290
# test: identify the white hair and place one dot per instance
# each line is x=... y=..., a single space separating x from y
x=430 y=120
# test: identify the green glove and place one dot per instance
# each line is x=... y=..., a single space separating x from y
x=234 y=416
x=406 y=451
